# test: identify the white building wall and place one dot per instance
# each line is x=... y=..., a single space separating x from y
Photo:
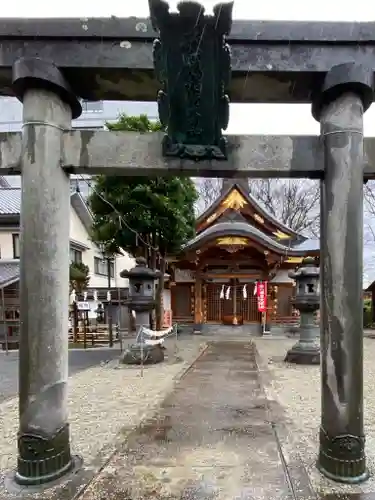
x=79 y=234
x=6 y=243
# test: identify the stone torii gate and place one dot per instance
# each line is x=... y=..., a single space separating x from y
x=111 y=59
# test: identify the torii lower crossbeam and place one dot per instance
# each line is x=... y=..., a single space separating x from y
x=131 y=153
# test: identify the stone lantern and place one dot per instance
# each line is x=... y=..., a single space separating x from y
x=142 y=301
x=141 y=290
x=307 y=301
x=100 y=313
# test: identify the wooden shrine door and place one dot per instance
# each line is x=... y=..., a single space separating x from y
x=214 y=304
x=245 y=308
x=181 y=300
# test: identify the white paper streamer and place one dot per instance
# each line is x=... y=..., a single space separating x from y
x=222 y=292
x=153 y=337
x=157 y=333
x=227 y=293
x=153 y=342
x=244 y=291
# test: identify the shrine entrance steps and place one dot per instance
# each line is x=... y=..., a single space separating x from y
x=242 y=332
x=228 y=331
x=214 y=438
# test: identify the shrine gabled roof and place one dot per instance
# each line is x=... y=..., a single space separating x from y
x=252 y=200
x=310 y=244
x=247 y=231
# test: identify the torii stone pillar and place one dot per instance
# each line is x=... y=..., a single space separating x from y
x=43 y=438
x=347 y=92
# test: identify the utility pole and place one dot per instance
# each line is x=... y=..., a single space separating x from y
x=110 y=326
x=107 y=256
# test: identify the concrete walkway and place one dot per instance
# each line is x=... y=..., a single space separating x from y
x=212 y=439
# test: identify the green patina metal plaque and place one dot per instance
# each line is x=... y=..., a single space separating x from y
x=192 y=64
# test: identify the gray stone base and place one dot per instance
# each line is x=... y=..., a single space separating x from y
x=303 y=356
x=52 y=461
x=197 y=329
x=264 y=330
x=145 y=354
x=15 y=488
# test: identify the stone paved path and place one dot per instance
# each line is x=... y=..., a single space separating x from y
x=212 y=439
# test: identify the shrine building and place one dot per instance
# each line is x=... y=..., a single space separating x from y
x=240 y=250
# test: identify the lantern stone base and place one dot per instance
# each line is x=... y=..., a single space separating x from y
x=304 y=354
x=137 y=354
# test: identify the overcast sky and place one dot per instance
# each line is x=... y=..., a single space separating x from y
x=249 y=118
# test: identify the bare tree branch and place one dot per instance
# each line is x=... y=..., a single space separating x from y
x=293 y=202
x=369 y=197
x=209 y=190
x=369 y=212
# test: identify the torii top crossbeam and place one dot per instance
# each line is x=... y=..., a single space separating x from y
x=111 y=58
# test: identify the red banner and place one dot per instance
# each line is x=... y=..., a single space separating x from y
x=262 y=296
x=167 y=320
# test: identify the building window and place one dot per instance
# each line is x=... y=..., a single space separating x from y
x=101 y=267
x=92 y=106
x=75 y=256
x=82 y=186
x=16 y=246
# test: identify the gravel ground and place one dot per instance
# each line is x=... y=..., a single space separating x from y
x=79 y=359
x=297 y=389
x=105 y=401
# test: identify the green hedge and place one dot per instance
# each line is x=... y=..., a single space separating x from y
x=367 y=318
